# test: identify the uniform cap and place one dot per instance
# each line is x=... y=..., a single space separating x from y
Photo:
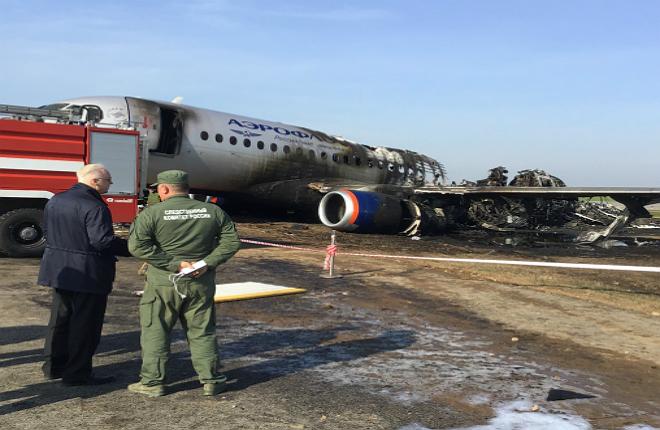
x=172 y=177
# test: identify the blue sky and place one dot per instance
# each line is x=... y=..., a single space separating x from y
x=572 y=87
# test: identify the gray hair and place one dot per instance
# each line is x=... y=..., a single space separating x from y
x=91 y=171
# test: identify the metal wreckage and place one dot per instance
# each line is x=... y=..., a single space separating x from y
x=534 y=204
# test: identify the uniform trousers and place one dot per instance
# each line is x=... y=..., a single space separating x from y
x=160 y=308
x=74 y=332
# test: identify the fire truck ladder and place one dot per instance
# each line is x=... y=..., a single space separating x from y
x=73 y=115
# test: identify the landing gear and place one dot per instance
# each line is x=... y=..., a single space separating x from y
x=21 y=234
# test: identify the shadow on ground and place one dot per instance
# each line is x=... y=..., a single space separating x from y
x=314 y=354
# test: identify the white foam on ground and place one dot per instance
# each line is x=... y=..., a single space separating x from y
x=517 y=416
x=639 y=427
x=410 y=361
x=479 y=399
x=414 y=427
x=438 y=360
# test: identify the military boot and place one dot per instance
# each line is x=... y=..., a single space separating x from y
x=213 y=389
x=147 y=390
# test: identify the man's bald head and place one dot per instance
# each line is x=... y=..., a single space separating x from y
x=95 y=176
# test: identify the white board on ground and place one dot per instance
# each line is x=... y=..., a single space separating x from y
x=251 y=290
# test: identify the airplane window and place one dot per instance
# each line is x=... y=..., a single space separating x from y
x=346 y=160
x=324 y=155
x=204 y=135
x=370 y=162
x=286 y=149
x=247 y=143
x=400 y=168
x=218 y=138
x=260 y=145
x=233 y=140
x=335 y=158
x=390 y=167
x=273 y=147
x=357 y=160
x=380 y=164
x=312 y=154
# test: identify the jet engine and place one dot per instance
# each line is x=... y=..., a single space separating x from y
x=365 y=211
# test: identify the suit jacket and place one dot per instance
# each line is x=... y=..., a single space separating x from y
x=80 y=243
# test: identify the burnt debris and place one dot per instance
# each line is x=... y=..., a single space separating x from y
x=514 y=208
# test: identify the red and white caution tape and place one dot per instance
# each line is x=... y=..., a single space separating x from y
x=277 y=245
x=518 y=263
x=331 y=250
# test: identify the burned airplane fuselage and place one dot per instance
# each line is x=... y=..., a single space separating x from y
x=233 y=153
x=267 y=164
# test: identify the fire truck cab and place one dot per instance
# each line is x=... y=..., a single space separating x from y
x=40 y=152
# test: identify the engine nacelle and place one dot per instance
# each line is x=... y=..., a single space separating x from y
x=365 y=211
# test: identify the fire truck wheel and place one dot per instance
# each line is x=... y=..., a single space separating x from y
x=21 y=234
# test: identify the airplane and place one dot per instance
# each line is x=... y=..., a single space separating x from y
x=351 y=186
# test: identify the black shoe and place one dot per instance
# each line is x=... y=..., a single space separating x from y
x=52 y=375
x=50 y=372
x=92 y=380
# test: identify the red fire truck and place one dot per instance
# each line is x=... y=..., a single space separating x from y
x=40 y=152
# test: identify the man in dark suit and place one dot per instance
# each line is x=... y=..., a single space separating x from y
x=79 y=264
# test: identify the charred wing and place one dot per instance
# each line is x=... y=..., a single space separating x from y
x=534 y=201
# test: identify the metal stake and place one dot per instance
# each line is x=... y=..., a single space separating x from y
x=331 y=272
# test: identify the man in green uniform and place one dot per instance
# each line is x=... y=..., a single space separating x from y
x=153 y=197
x=172 y=236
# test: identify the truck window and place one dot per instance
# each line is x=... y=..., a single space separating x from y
x=118 y=153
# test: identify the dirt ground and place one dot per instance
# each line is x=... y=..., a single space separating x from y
x=393 y=344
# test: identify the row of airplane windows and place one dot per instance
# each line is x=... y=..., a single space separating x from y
x=312 y=154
